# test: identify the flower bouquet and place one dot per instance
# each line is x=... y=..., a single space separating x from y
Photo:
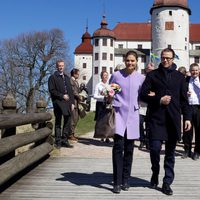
x=109 y=92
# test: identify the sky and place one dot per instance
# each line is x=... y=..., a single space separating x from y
x=72 y=16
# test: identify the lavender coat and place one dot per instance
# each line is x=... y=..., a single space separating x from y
x=126 y=103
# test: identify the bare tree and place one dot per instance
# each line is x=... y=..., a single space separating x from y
x=26 y=63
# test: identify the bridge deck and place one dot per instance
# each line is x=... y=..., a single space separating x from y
x=85 y=172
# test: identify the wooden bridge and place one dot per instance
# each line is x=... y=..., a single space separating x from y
x=85 y=172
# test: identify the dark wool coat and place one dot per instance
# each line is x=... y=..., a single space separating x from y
x=166 y=82
x=57 y=90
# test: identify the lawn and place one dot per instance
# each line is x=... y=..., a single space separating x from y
x=85 y=124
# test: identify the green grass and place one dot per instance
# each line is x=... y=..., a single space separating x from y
x=86 y=124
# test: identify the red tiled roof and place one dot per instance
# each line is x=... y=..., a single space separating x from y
x=133 y=31
x=194 y=32
x=178 y=3
x=103 y=31
x=183 y=3
x=142 y=32
x=85 y=47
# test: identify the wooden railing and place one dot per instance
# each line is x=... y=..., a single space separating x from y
x=10 y=162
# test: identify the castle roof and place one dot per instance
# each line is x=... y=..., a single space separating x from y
x=104 y=31
x=195 y=33
x=142 y=32
x=85 y=47
x=171 y=3
x=133 y=31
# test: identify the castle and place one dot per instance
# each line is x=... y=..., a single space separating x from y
x=169 y=27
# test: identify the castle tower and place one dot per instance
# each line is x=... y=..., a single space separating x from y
x=170 y=28
x=83 y=60
x=103 y=51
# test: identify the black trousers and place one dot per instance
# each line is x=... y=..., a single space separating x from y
x=188 y=136
x=122 y=156
x=169 y=160
x=61 y=135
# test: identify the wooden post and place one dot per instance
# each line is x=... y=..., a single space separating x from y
x=41 y=106
x=9 y=107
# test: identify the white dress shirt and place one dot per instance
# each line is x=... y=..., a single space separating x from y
x=194 y=89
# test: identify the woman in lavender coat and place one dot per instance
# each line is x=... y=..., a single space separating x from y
x=127 y=120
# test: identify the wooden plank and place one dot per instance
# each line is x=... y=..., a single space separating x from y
x=17 y=119
x=11 y=143
x=22 y=161
x=85 y=178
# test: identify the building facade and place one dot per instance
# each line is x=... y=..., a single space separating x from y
x=169 y=27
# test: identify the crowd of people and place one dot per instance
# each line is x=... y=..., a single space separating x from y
x=148 y=108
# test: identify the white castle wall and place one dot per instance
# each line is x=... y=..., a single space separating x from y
x=177 y=38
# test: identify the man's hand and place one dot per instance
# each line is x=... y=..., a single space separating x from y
x=187 y=125
x=165 y=100
x=66 y=97
x=73 y=107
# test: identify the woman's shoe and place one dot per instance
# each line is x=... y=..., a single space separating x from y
x=117 y=189
x=125 y=187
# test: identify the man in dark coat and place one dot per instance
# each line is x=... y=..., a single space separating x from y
x=165 y=108
x=193 y=82
x=63 y=103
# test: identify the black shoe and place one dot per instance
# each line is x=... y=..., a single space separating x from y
x=57 y=146
x=195 y=156
x=125 y=186
x=141 y=145
x=107 y=140
x=185 y=155
x=117 y=189
x=67 y=145
x=166 y=189
x=154 y=181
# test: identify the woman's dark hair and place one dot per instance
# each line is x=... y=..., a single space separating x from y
x=101 y=75
x=74 y=71
x=131 y=53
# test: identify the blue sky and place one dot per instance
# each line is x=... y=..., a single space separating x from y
x=23 y=16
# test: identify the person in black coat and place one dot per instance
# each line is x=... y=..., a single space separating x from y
x=193 y=82
x=63 y=103
x=165 y=108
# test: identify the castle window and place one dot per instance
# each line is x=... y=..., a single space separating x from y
x=120 y=46
x=111 y=42
x=111 y=70
x=103 y=69
x=186 y=39
x=104 y=56
x=169 y=46
x=96 y=42
x=196 y=59
x=96 y=70
x=84 y=65
x=96 y=56
x=84 y=78
x=185 y=47
x=104 y=42
x=139 y=46
x=111 y=56
x=197 y=47
x=143 y=59
x=170 y=13
x=169 y=25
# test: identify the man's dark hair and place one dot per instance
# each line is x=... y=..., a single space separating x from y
x=168 y=50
